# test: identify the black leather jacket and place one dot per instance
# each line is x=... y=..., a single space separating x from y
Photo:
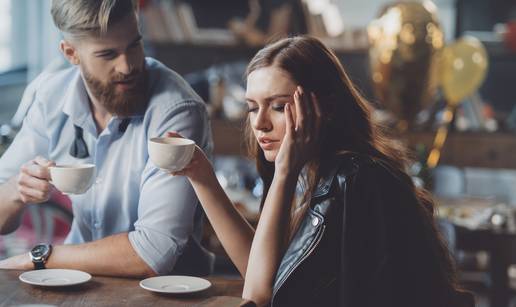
x=382 y=256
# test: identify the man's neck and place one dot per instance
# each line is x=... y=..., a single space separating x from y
x=100 y=115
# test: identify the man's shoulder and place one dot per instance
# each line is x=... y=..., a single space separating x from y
x=168 y=89
x=53 y=86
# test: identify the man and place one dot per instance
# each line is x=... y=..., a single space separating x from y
x=135 y=220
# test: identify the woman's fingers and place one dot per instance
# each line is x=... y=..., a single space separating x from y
x=182 y=172
x=317 y=112
x=290 y=129
x=309 y=112
x=192 y=165
x=178 y=173
x=300 y=112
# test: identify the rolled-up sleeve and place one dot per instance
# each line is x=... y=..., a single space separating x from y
x=29 y=142
x=168 y=203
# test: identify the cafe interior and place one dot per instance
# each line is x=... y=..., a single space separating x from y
x=437 y=73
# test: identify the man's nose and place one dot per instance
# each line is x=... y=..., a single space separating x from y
x=124 y=65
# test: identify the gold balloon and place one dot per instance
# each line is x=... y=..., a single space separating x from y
x=405 y=40
x=463 y=69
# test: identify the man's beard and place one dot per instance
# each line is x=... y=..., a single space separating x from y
x=123 y=103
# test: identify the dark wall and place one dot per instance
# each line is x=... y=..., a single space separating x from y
x=482 y=15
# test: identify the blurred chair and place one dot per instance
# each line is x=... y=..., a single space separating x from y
x=449 y=181
x=47 y=222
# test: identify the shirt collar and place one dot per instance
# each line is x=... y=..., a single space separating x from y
x=77 y=106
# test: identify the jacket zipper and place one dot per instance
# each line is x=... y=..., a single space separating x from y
x=298 y=262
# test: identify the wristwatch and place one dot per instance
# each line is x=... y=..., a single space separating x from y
x=39 y=255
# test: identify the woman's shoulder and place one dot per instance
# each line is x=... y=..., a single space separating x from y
x=371 y=174
x=353 y=163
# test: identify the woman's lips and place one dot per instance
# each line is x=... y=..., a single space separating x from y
x=266 y=143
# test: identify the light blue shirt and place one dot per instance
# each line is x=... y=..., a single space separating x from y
x=130 y=194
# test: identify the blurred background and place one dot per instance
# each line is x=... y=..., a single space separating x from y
x=441 y=75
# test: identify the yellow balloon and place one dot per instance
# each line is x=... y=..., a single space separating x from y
x=463 y=68
x=405 y=40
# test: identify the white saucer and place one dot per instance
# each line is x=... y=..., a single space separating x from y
x=55 y=277
x=175 y=284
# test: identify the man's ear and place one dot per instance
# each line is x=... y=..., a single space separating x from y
x=70 y=52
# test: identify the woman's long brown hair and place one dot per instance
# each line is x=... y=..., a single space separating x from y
x=347 y=126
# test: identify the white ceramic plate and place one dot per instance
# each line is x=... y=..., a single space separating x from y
x=55 y=277
x=175 y=284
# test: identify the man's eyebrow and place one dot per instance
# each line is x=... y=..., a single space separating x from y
x=98 y=52
x=103 y=51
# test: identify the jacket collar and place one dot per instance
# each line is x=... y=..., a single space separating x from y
x=345 y=164
x=324 y=185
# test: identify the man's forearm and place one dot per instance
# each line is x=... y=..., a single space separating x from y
x=11 y=207
x=111 y=256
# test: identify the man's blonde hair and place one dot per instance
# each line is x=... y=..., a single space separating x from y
x=87 y=17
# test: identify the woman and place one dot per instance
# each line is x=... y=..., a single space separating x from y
x=341 y=222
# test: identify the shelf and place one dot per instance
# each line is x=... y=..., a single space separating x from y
x=472 y=149
x=462 y=149
x=185 y=58
x=189 y=57
x=235 y=46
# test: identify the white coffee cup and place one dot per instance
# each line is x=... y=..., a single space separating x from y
x=72 y=179
x=171 y=153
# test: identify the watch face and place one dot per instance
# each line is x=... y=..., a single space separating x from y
x=39 y=250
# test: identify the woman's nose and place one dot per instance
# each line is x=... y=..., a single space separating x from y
x=262 y=121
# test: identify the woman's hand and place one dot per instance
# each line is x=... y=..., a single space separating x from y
x=199 y=167
x=300 y=143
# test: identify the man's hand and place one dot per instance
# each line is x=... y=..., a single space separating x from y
x=20 y=262
x=31 y=185
x=33 y=181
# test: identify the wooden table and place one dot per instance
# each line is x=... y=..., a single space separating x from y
x=108 y=291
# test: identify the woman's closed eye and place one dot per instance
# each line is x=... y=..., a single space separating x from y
x=280 y=107
x=277 y=106
x=252 y=109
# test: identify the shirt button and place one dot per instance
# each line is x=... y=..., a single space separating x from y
x=97 y=225
x=315 y=221
x=98 y=181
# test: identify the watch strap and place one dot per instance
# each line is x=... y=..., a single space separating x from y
x=39 y=265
